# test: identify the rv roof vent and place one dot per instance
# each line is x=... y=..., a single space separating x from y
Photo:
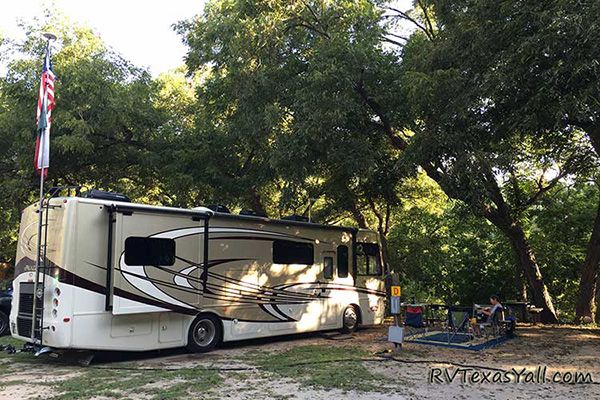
x=219 y=208
x=253 y=213
x=102 y=195
x=295 y=217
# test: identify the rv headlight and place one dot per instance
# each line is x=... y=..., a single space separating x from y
x=54 y=313
x=55 y=302
x=57 y=292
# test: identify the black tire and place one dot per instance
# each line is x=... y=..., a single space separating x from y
x=206 y=333
x=350 y=319
x=4 y=329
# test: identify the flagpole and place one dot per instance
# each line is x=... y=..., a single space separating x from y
x=49 y=37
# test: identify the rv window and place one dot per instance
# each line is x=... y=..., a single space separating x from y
x=328 y=267
x=149 y=251
x=374 y=265
x=361 y=261
x=368 y=261
x=342 y=261
x=288 y=252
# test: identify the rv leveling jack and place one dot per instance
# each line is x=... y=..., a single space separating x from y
x=43 y=350
x=83 y=358
x=36 y=348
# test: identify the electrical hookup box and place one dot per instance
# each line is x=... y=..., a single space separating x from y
x=396 y=331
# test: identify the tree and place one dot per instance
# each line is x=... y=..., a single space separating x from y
x=536 y=63
x=465 y=141
x=102 y=124
x=285 y=109
x=332 y=73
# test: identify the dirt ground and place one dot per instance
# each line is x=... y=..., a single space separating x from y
x=321 y=366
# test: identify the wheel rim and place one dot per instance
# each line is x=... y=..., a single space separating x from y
x=350 y=318
x=204 y=332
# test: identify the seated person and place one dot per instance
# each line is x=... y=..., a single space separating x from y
x=489 y=313
x=496 y=306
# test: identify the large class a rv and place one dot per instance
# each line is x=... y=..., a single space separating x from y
x=122 y=276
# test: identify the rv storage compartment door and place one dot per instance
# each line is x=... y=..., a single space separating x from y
x=157 y=262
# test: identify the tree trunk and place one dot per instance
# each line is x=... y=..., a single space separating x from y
x=521 y=283
x=256 y=202
x=597 y=303
x=531 y=269
x=523 y=295
x=586 y=301
x=586 y=305
x=384 y=249
x=358 y=216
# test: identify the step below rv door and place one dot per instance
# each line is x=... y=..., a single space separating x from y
x=157 y=262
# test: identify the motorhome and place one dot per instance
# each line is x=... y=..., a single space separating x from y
x=115 y=275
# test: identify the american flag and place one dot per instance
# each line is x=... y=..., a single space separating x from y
x=44 y=117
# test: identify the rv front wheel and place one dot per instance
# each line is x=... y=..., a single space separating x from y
x=205 y=333
x=350 y=319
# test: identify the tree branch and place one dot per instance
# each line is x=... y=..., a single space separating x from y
x=376 y=212
x=592 y=129
x=312 y=11
x=305 y=24
x=248 y=162
x=397 y=36
x=388 y=213
x=391 y=41
x=407 y=17
x=543 y=189
x=426 y=15
x=385 y=125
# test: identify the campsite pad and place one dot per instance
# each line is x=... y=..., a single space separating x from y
x=458 y=341
x=175 y=374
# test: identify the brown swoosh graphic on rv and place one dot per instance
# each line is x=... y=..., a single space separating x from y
x=231 y=294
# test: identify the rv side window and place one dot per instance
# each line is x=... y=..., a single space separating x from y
x=368 y=261
x=149 y=251
x=342 y=261
x=328 y=267
x=288 y=252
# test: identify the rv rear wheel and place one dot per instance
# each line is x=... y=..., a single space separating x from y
x=3 y=324
x=350 y=319
x=206 y=333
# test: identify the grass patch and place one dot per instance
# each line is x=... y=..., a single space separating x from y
x=22 y=357
x=11 y=362
x=319 y=367
x=4 y=384
x=115 y=383
x=9 y=340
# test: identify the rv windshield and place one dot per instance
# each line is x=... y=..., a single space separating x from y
x=368 y=261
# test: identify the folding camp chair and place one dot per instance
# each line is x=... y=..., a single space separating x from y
x=505 y=322
x=414 y=323
x=499 y=324
x=459 y=323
